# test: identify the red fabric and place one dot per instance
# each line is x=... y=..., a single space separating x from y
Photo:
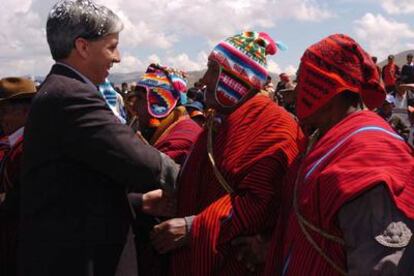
x=389 y=74
x=253 y=147
x=363 y=161
x=4 y=148
x=178 y=142
x=331 y=66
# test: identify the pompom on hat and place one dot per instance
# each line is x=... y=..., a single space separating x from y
x=166 y=87
x=242 y=60
x=334 y=65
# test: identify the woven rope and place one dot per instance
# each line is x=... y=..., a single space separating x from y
x=217 y=173
x=303 y=223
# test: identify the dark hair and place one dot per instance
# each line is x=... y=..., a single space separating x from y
x=351 y=98
x=71 y=19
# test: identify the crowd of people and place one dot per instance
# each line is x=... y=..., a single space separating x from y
x=229 y=177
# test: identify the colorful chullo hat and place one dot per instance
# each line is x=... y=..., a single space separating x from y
x=166 y=87
x=334 y=65
x=242 y=59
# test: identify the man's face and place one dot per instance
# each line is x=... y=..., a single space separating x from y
x=13 y=117
x=210 y=80
x=101 y=55
x=409 y=59
x=390 y=60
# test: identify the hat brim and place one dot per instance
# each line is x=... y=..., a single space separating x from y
x=19 y=96
x=407 y=86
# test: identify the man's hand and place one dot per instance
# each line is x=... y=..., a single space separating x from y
x=251 y=250
x=159 y=204
x=169 y=235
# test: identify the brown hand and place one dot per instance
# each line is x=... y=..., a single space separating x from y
x=169 y=235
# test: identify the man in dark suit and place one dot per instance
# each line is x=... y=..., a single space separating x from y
x=79 y=160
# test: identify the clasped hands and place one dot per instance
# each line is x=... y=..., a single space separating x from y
x=169 y=234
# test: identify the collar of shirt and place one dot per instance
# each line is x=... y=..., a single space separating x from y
x=15 y=136
x=85 y=79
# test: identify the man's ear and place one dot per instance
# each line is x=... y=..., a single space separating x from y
x=82 y=47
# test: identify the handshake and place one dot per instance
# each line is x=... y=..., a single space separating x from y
x=169 y=234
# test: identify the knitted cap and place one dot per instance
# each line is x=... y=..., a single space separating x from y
x=242 y=59
x=165 y=87
x=334 y=65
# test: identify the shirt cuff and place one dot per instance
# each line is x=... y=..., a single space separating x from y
x=169 y=174
x=189 y=223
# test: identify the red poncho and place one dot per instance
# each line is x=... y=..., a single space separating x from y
x=253 y=148
x=177 y=141
x=357 y=154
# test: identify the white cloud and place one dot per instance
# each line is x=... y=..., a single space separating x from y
x=154 y=59
x=184 y=62
x=156 y=25
x=398 y=6
x=383 y=36
x=273 y=67
x=129 y=63
x=291 y=70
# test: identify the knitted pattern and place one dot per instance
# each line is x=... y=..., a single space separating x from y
x=165 y=88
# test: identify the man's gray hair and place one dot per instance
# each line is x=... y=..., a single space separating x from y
x=71 y=19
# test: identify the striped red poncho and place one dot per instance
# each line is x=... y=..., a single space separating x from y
x=357 y=154
x=253 y=148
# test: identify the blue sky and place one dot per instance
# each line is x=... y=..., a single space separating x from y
x=181 y=33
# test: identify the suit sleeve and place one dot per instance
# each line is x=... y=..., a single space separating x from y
x=95 y=137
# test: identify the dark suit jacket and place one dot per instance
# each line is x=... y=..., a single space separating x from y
x=78 y=162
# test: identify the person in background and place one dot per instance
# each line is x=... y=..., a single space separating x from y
x=114 y=100
x=284 y=80
x=390 y=74
x=196 y=110
x=386 y=112
x=375 y=60
x=15 y=100
x=407 y=71
x=164 y=123
x=124 y=89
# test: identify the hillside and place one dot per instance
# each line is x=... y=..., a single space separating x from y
x=400 y=59
x=192 y=76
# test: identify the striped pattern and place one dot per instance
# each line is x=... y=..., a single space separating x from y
x=179 y=139
x=374 y=154
x=253 y=148
x=113 y=100
x=243 y=65
x=333 y=65
x=165 y=88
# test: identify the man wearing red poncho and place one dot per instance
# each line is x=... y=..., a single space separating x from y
x=230 y=185
x=164 y=124
x=351 y=208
